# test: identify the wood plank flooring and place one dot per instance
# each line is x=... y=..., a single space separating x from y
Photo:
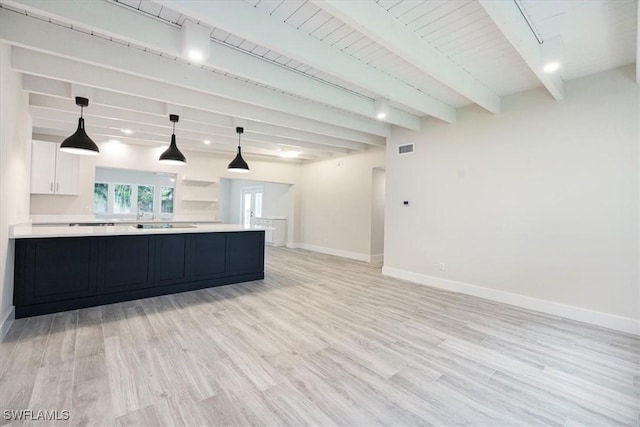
x=322 y=341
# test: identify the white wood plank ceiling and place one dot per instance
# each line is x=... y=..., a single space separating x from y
x=300 y=73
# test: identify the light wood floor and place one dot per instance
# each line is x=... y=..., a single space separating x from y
x=321 y=341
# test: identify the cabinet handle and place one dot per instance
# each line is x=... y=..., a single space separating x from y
x=57 y=187
x=52 y=187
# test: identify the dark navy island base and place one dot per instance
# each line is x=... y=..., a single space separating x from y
x=65 y=273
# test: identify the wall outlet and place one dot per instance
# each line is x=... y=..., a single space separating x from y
x=442 y=266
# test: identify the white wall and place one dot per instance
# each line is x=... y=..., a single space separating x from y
x=377 y=214
x=336 y=204
x=540 y=201
x=15 y=147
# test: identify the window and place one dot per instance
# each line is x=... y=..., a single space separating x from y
x=166 y=200
x=124 y=193
x=100 y=197
x=122 y=200
x=145 y=198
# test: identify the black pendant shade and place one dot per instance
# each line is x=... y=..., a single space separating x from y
x=173 y=156
x=238 y=164
x=79 y=142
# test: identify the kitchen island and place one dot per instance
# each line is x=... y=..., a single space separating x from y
x=66 y=268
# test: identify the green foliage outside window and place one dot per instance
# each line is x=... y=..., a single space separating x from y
x=145 y=198
x=166 y=205
x=122 y=202
x=100 y=197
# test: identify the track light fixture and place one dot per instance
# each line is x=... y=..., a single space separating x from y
x=79 y=142
x=238 y=164
x=173 y=156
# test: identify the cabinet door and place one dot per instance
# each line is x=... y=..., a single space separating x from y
x=66 y=173
x=171 y=259
x=245 y=252
x=279 y=232
x=126 y=263
x=43 y=167
x=268 y=233
x=207 y=255
x=58 y=269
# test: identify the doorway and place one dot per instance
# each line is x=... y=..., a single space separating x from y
x=377 y=215
x=251 y=205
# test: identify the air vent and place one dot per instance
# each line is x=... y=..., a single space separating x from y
x=405 y=149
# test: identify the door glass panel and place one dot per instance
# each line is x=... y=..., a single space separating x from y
x=258 y=207
x=246 y=207
x=122 y=198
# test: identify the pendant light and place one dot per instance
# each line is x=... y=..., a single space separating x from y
x=238 y=164
x=173 y=156
x=79 y=142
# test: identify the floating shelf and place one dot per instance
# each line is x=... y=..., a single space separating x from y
x=198 y=200
x=197 y=180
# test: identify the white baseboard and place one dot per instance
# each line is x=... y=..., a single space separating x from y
x=291 y=245
x=7 y=322
x=376 y=259
x=618 y=323
x=337 y=252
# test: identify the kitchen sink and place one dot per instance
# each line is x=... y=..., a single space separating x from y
x=164 y=225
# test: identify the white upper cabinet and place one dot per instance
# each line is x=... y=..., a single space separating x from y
x=52 y=171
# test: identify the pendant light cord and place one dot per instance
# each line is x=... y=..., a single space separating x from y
x=238 y=139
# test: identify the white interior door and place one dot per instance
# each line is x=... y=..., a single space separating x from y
x=251 y=204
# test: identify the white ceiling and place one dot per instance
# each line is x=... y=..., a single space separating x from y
x=297 y=73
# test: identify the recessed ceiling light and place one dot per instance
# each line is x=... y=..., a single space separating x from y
x=551 y=67
x=289 y=154
x=127 y=131
x=206 y=141
x=382 y=108
x=196 y=55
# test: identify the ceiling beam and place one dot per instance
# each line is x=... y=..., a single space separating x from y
x=21 y=30
x=217 y=126
x=379 y=25
x=261 y=119
x=244 y=20
x=151 y=33
x=507 y=16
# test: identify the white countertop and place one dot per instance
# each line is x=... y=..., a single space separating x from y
x=87 y=219
x=27 y=231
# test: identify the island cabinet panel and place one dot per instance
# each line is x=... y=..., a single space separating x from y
x=208 y=256
x=58 y=269
x=171 y=259
x=65 y=273
x=245 y=252
x=125 y=263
